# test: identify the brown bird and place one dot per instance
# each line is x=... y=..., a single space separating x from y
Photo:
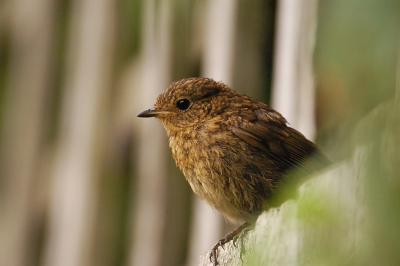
x=233 y=150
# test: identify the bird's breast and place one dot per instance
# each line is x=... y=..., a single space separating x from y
x=213 y=166
x=193 y=157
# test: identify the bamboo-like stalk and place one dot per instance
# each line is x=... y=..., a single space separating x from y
x=31 y=48
x=254 y=44
x=293 y=80
x=148 y=214
x=397 y=93
x=74 y=175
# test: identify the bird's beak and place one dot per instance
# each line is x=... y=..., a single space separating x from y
x=148 y=113
x=154 y=113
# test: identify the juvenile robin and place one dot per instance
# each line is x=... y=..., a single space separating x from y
x=233 y=150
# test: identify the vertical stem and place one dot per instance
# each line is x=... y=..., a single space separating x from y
x=148 y=215
x=293 y=81
x=31 y=27
x=87 y=80
x=398 y=74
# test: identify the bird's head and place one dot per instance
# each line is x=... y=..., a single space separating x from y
x=189 y=102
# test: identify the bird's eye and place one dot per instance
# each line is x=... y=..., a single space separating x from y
x=183 y=104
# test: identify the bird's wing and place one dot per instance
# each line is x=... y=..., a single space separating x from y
x=267 y=131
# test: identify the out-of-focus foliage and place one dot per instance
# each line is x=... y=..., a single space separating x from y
x=358 y=47
x=356 y=57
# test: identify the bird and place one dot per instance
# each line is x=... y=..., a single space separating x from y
x=233 y=150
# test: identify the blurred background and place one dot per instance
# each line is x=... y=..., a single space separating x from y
x=85 y=182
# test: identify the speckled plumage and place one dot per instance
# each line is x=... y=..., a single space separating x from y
x=233 y=150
